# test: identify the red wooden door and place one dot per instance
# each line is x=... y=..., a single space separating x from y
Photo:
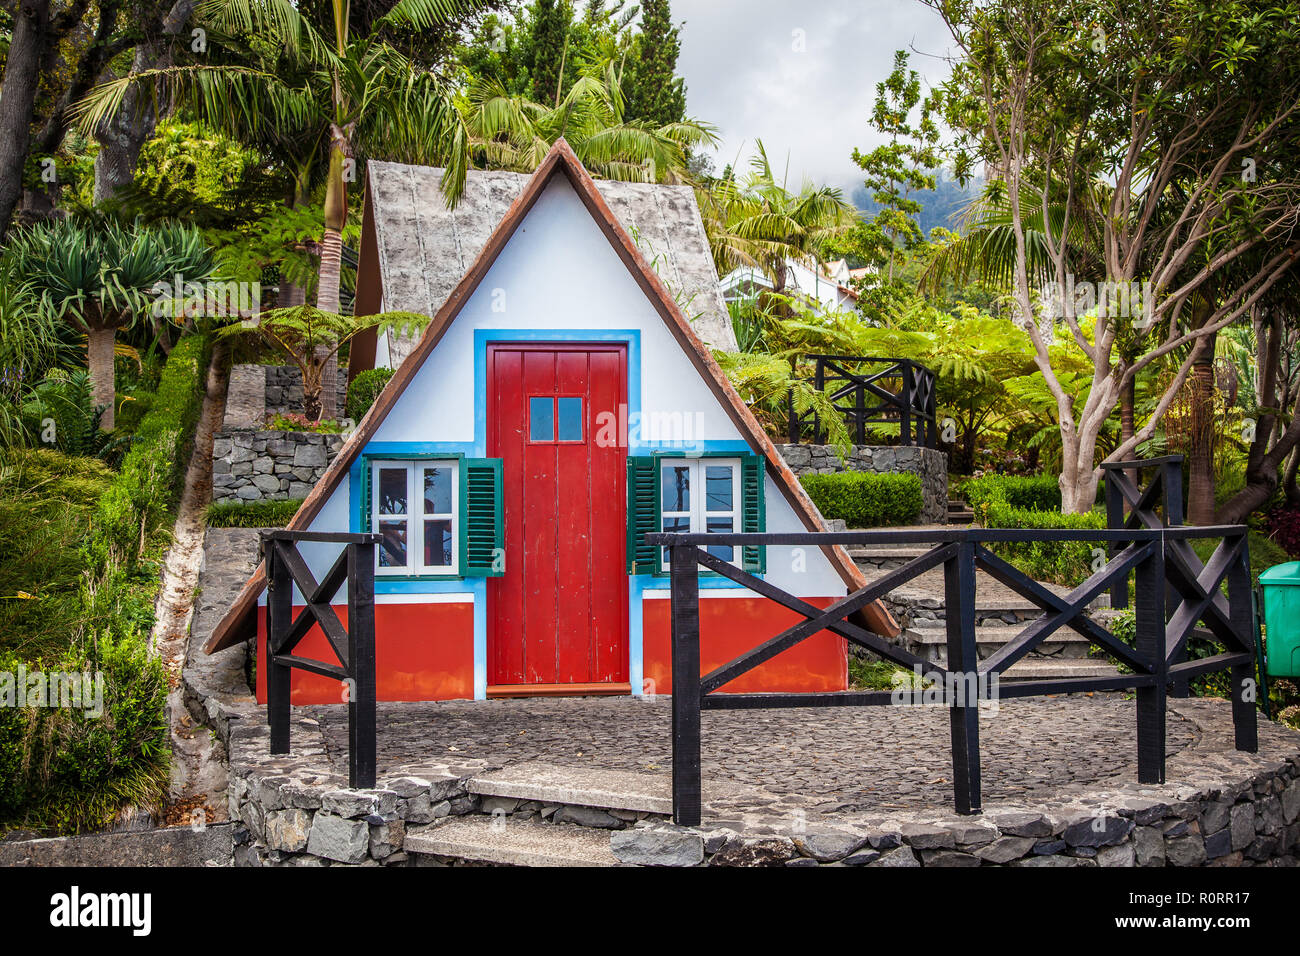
x=558 y=616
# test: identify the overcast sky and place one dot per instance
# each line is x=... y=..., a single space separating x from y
x=745 y=75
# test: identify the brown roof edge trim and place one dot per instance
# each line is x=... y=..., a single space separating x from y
x=230 y=630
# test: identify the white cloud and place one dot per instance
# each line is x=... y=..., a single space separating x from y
x=800 y=75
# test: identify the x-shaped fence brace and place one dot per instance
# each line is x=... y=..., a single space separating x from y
x=353 y=645
x=1158 y=557
x=913 y=402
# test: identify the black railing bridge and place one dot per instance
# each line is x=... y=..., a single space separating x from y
x=868 y=391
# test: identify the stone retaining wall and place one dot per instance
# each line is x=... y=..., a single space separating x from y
x=283 y=392
x=1246 y=815
x=256 y=465
x=929 y=464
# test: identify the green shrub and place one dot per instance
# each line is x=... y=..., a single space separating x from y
x=1059 y=562
x=864 y=499
x=364 y=389
x=137 y=506
x=66 y=770
x=254 y=514
x=1039 y=493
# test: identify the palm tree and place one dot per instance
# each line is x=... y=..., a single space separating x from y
x=759 y=222
x=104 y=279
x=310 y=338
x=515 y=133
x=348 y=94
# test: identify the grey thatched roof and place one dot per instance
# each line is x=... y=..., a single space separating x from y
x=426 y=248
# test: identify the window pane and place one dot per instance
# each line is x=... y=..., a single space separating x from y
x=718 y=488
x=392 y=548
x=437 y=544
x=570 y=418
x=676 y=480
x=677 y=525
x=541 y=419
x=437 y=491
x=720 y=526
x=392 y=491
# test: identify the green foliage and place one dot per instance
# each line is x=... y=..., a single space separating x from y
x=364 y=389
x=766 y=384
x=865 y=500
x=1038 y=493
x=103 y=276
x=656 y=94
x=66 y=770
x=62 y=402
x=868 y=674
x=135 y=509
x=254 y=514
x=1059 y=562
x=47 y=500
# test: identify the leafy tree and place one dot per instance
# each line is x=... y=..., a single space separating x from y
x=512 y=132
x=897 y=168
x=309 y=338
x=759 y=222
x=1189 y=113
x=550 y=47
x=656 y=93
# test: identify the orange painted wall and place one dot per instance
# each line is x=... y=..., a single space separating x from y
x=422 y=652
x=731 y=626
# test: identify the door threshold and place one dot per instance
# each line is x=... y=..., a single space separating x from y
x=496 y=691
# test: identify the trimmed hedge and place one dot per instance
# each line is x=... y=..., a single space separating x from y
x=364 y=389
x=254 y=514
x=1059 y=562
x=1037 y=493
x=865 y=499
x=139 y=503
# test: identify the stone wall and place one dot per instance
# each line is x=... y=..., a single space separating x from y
x=256 y=465
x=929 y=464
x=289 y=811
x=284 y=390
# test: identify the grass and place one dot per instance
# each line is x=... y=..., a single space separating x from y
x=255 y=514
x=47 y=500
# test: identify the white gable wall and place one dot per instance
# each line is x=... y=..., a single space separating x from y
x=558 y=271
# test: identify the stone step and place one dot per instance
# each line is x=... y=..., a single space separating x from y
x=578 y=786
x=478 y=838
x=990 y=634
x=1052 y=668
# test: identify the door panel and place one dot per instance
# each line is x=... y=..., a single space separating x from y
x=559 y=614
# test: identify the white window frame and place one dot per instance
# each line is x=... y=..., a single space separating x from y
x=415 y=515
x=698 y=513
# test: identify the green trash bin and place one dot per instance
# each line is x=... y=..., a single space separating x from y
x=1281 y=587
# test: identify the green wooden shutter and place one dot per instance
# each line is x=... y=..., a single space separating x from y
x=642 y=513
x=481 y=521
x=753 y=517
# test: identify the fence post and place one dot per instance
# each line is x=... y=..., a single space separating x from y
x=685 y=593
x=905 y=399
x=963 y=665
x=819 y=382
x=1149 y=623
x=1245 y=691
x=1115 y=519
x=361 y=663
x=279 y=618
x=1171 y=474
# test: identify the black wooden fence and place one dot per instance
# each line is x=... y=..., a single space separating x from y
x=869 y=391
x=354 y=646
x=1158 y=555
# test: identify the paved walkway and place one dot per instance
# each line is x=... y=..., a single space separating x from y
x=839 y=759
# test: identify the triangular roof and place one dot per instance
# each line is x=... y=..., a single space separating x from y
x=421 y=247
x=560 y=160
